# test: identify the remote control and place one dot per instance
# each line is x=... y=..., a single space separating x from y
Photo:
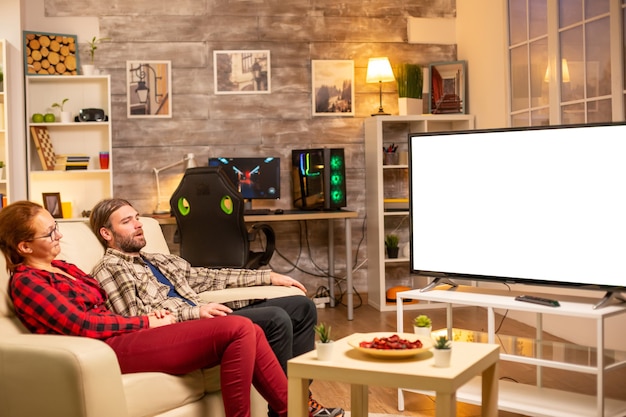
x=538 y=300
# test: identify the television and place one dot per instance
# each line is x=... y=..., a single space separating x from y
x=541 y=206
x=254 y=177
x=318 y=178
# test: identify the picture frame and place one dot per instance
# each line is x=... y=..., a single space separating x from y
x=149 y=89
x=242 y=72
x=448 y=83
x=47 y=53
x=332 y=87
x=52 y=203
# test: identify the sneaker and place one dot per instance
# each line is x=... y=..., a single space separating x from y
x=318 y=410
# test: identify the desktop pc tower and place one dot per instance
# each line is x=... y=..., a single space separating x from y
x=318 y=178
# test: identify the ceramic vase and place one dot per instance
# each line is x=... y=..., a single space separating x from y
x=324 y=350
x=442 y=357
x=88 y=69
x=408 y=106
x=423 y=333
x=66 y=117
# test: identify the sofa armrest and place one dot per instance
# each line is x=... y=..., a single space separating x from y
x=59 y=376
x=261 y=292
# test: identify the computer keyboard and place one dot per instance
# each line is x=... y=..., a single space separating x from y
x=253 y=212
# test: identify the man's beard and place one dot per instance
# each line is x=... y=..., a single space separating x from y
x=130 y=244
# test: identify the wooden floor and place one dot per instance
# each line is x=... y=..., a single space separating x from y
x=384 y=400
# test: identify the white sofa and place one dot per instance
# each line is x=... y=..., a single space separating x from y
x=66 y=376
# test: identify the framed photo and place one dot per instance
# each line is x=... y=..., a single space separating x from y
x=332 y=87
x=149 y=88
x=242 y=72
x=50 y=54
x=447 y=87
x=52 y=203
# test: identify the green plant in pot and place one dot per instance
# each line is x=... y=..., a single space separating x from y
x=391 y=243
x=410 y=81
x=442 y=352
x=422 y=326
x=93 y=46
x=324 y=346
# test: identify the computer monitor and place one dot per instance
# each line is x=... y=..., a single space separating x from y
x=255 y=177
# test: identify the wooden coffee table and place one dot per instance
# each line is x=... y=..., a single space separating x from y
x=419 y=373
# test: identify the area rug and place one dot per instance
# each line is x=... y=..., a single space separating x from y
x=347 y=414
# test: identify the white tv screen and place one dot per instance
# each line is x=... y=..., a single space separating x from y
x=537 y=206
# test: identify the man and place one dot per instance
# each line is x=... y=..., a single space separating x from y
x=138 y=282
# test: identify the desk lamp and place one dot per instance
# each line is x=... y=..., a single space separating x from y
x=188 y=160
x=379 y=71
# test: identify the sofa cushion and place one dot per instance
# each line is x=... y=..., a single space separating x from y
x=165 y=392
x=79 y=245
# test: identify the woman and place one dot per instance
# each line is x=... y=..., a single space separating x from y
x=52 y=296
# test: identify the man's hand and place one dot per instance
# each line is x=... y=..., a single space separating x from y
x=160 y=318
x=208 y=311
x=285 y=281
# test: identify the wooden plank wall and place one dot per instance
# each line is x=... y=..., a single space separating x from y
x=296 y=32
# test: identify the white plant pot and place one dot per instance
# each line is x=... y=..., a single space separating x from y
x=66 y=117
x=442 y=357
x=324 y=351
x=423 y=333
x=408 y=106
x=89 y=69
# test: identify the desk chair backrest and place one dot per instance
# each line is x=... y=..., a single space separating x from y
x=209 y=213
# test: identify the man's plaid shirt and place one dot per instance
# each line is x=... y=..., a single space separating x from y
x=133 y=289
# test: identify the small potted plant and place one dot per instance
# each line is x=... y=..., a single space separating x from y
x=410 y=81
x=325 y=344
x=88 y=69
x=1 y=169
x=391 y=243
x=1 y=80
x=442 y=352
x=422 y=325
x=66 y=116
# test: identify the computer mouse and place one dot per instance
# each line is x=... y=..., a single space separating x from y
x=279 y=211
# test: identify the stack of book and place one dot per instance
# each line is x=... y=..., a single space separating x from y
x=71 y=162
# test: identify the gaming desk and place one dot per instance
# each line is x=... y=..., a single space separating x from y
x=293 y=215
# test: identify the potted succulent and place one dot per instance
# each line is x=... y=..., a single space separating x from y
x=423 y=326
x=325 y=345
x=1 y=80
x=410 y=81
x=391 y=243
x=89 y=69
x=66 y=116
x=442 y=352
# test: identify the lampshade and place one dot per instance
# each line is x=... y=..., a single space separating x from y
x=188 y=160
x=564 y=72
x=379 y=70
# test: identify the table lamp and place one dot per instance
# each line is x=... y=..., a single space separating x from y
x=189 y=161
x=379 y=71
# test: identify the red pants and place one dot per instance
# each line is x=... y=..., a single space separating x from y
x=233 y=342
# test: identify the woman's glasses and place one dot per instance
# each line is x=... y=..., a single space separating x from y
x=50 y=235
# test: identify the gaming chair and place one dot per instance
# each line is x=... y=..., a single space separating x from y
x=210 y=218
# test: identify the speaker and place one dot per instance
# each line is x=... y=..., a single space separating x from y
x=91 y=115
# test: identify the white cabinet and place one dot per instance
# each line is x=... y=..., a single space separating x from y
x=4 y=127
x=536 y=400
x=83 y=188
x=387 y=197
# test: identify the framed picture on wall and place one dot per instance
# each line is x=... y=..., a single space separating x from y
x=242 y=72
x=50 y=54
x=332 y=87
x=149 y=88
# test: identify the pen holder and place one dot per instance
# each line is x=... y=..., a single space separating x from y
x=390 y=158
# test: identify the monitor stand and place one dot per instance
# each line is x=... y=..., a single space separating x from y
x=438 y=281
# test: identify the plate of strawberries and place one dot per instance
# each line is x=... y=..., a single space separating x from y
x=390 y=345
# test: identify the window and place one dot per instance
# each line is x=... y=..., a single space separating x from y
x=572 y=37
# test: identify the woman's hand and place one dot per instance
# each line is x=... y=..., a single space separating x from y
x=160 y=318
x=208 y=311
x=285 y=281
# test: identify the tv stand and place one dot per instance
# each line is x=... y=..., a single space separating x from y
x=607 y=297
x=534 y=399
x=439 y=281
